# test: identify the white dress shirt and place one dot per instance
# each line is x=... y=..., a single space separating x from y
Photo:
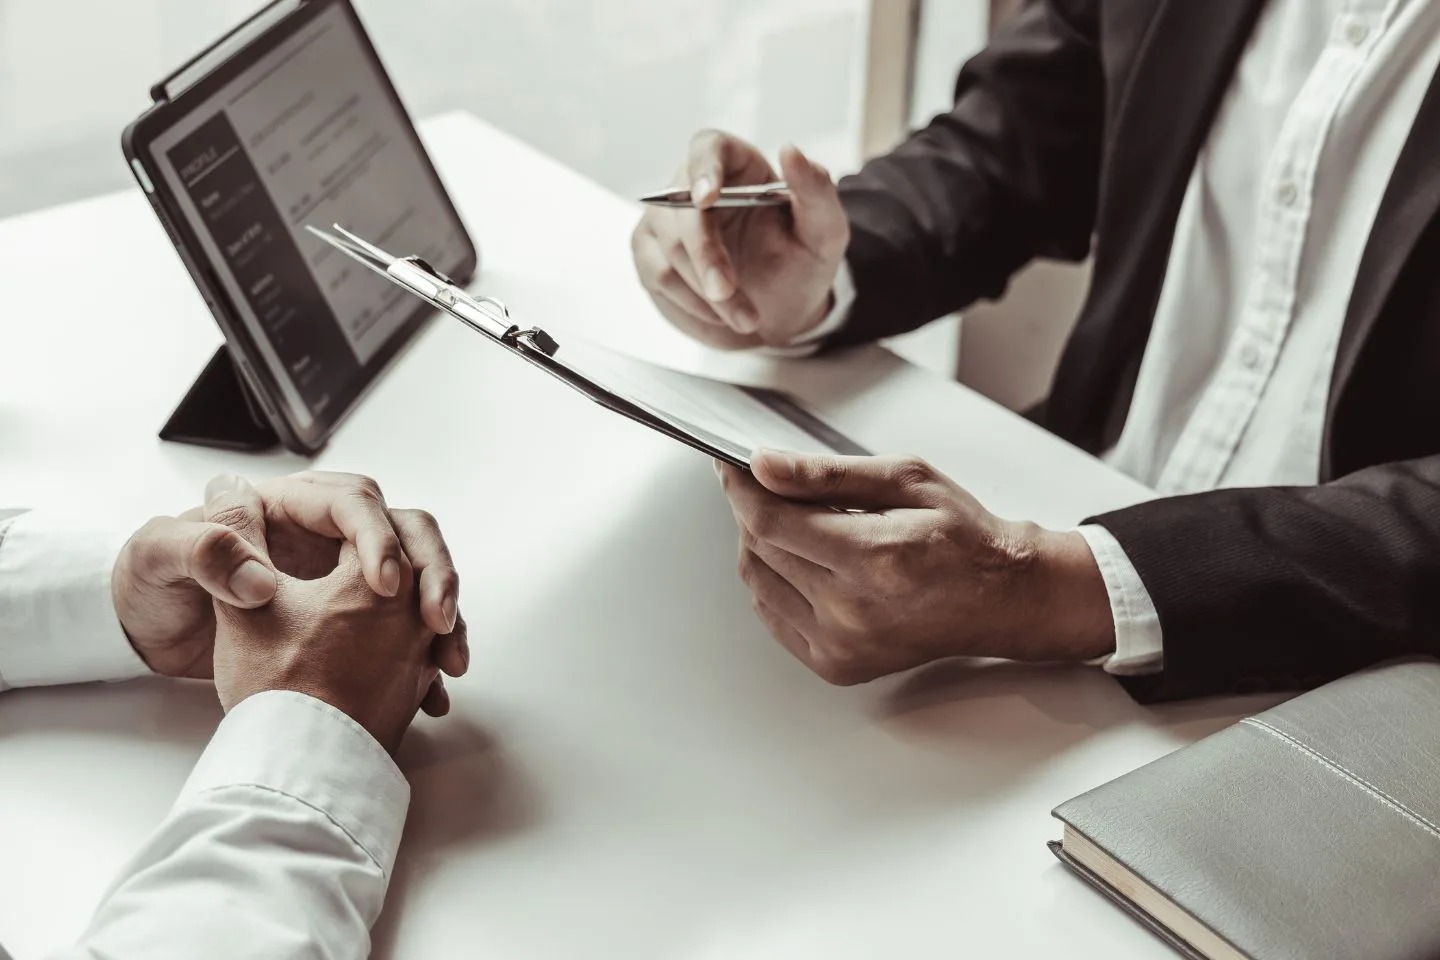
x=283 y=839
x=1233 y=384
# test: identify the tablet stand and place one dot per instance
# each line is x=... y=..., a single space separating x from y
x=219 y=411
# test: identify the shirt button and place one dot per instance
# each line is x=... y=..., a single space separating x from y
x=1356 y=34
x=1250 y=356
x=1286 y=193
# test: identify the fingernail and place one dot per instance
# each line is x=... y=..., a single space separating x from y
x=221 y=485
x=781 y=465
x=717 y=287
x=701 y=187
x=719 y=471
x=252 y=582
x=450 y=607
x=744 y=323
x=390 y=577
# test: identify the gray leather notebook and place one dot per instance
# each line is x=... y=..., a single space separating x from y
x=1308 y=832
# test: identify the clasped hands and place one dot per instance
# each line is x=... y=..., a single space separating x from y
x=309 y=583
x=910 y=570
x=313 y=583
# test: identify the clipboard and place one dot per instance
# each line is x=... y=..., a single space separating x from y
x=491 y=319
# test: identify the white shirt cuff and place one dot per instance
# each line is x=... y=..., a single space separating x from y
x=306 y=749
x=809 y=341
x=1139 y=645
x=57 y=618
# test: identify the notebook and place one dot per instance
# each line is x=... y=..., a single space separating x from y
x=1308 y=832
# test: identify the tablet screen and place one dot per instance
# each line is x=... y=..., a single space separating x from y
x=309 y=134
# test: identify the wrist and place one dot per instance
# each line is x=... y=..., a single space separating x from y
x=373 y=714
x=121 y=596
x=1064 y=605
x=810 y=331
x=827 y=305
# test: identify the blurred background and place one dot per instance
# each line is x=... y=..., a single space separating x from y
x=612 y=88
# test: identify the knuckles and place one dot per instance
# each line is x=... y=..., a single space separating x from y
x=233 y=514
x=423 y=518
x=148 y=545
x=841 y=652
x=856 y=614
x=762 y=521
x=709 y=251
x=673 y=247
x=911 y=472
x=365 y=488
x=150 y=531
x=747 y=567
x=706 y=146
x=826 y=474
x=838 y=664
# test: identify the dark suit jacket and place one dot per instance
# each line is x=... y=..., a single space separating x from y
x=1082 y=121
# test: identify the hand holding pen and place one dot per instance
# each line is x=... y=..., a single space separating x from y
x=737 y=257
x=773 y=194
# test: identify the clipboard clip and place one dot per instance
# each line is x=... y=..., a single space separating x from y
x=485 y=315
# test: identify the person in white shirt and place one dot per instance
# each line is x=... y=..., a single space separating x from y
x=1257 y=184
x=326 y=619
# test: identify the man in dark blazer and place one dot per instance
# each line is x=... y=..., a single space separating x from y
x=1259 y=184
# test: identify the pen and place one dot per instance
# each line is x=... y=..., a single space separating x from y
x=775 y=194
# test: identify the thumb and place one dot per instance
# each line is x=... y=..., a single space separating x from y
x=820 y=222
x=233 y=506
x=873 y=483
x=223 y=563
x=231 y=502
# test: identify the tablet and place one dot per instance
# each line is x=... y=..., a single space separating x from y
x=292 y=120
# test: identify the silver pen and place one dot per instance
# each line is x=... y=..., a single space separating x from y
x=776 y=194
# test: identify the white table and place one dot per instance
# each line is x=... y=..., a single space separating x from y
x=633 y=768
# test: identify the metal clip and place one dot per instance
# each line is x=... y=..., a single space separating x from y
x=536 y=338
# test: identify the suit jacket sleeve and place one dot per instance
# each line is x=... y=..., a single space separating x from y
x=1010 y=174
x=1288 y=587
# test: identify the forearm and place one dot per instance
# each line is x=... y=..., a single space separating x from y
x=281 y=845
x=1009 y=174
x=1280 y=588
